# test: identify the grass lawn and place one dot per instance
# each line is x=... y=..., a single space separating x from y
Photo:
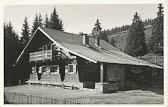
x=121 y=97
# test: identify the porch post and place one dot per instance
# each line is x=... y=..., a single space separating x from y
x=100 y=85
x=101 y=72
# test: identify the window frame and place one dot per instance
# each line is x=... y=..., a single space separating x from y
x=57 y=70
x=74 y=70
x=50 y=69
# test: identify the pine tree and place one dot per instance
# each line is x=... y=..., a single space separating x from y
x=25 y=32
x=156 y=41
x=47 y=22
x=60 y=25
x=97 y=29
x=81 y=33
x=136 y=45
x=112 y=41
x=40 y=20
x=98 y=33
x=35 y=24
x=11 y=51
x=55 y=22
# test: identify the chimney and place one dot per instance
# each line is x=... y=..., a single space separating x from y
x=85 y=39
x=98 y=42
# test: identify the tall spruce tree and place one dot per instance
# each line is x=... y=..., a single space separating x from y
x=136 y=45
x=25 y=32
x=96 y=31
x=12 y=49
x=38 y=22
x=35 y=24
x=156 y=41
x=55 y=22
x=47 y=22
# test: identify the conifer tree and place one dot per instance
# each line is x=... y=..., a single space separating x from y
x=55 y=22
x=112 y=41
x=35 y=24
x=25 y=32
x=11 y=51
x=38 y=22
x=97 y=29
x=156 y=41
x=98 y=33
x=136 y=45
x=47 y=22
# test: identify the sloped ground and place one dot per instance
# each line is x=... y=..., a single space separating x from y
x=120 y=37
x=153 y=58
x=121 y=97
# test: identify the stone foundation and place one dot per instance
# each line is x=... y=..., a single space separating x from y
x=106 y=87
x=55 y=77
x=90 y=85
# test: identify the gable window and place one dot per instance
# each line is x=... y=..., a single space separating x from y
x=45 y=47
x=71 y=68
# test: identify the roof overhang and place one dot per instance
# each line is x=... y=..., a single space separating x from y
x=91 y=59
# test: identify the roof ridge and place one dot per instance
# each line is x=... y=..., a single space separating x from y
x=61 y=31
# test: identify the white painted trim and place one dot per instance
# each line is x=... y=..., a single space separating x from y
x=57 y=44
x=26 y=46
x=74 y=70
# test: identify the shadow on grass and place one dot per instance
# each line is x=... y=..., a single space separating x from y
x=155 y=90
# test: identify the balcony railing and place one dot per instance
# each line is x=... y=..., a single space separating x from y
x=40 y=56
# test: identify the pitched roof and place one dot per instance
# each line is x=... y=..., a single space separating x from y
x=69 y=38
x=109 y=54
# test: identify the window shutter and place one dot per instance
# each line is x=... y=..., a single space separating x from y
x=74 y=68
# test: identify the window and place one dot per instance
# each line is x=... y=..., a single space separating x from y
x=43 y=69
x=48 y=69
x=33 y=70
x=43 y=48
x=48 y=46
x=71 y=68
x=66 y=69
x=40 y=69
x=54 y=69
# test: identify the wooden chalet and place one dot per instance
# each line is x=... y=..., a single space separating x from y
x=79 y=61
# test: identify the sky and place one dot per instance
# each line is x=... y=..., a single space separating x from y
x=80 y=17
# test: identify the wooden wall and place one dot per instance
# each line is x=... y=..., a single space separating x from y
x=116 y=74
x=85 y=73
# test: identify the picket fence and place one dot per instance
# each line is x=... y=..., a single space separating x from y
x=18 y=98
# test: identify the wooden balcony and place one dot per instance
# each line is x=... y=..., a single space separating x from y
x=40 y=56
